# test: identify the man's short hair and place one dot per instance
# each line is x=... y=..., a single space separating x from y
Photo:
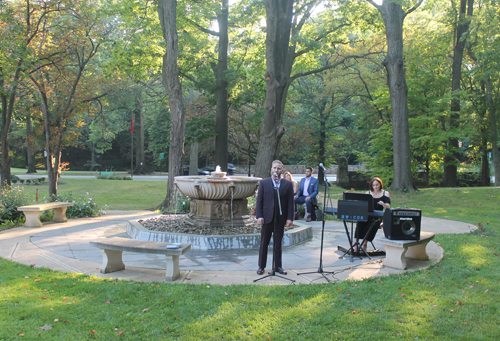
x=277 y=161
x=310 y=168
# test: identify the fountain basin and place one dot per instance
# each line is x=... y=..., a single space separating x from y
x=217 y=188
x=217 y=200
x=299 y=234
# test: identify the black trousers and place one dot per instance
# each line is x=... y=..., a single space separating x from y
x=265 y=237
x=363 y=226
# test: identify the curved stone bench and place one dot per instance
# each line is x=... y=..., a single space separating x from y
x=396 y=251
x=112 y=250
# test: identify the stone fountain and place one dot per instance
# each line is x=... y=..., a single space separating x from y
x=218 y=200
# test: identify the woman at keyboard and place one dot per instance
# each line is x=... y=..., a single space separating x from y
x=381 y=201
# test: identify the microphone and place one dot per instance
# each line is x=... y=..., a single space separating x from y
x=321 y=165
x=275 y=174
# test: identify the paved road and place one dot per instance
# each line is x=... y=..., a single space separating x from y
x=155 y=177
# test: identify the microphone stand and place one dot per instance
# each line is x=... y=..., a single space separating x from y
x=277 y=211
x=320 y=269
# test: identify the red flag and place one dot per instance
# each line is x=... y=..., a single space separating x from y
x=132 y=126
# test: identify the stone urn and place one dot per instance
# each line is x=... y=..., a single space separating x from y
x=218 y=200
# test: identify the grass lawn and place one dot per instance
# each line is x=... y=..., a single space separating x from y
x=456 y=299
x=116 y=194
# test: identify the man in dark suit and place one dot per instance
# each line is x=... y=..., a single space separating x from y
x=274 y=209
x=308 y=190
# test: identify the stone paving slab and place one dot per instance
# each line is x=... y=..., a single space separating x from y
x=64 y=247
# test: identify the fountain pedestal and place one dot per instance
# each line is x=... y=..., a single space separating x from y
x=218 y=213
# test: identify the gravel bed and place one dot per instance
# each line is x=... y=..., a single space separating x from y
x=175 y=223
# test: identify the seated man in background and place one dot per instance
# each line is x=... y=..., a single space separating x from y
x=308 y=190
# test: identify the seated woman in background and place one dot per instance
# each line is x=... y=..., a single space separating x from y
x=288 y=176
x=381 y=201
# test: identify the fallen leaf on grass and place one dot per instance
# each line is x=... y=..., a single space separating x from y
x=92 y=332
x=45 y=327
x=108 y=302
x=43 y=298
x=56 y=320
x=403 y=295
x=37 y=280
x=354 y=312
x=144 y=310
x=120 y=333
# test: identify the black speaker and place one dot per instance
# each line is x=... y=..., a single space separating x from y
x=402 y=223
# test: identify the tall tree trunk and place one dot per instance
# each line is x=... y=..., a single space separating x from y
x=485 y=164
x=139 y=134
x=6 y=159
x=193 y=159
x=30 y=149
x=492 y=118
x=451 y=160
x=172 y=84
x=7 y=100
x=278 y=24
x=393 y=16
x=221 y=118
x=51 y=162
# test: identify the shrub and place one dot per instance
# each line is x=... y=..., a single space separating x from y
x=10 y=199
x=183 y=203
x=82 y=207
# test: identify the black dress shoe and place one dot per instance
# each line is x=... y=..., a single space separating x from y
x=280 y=270
x=260 y=271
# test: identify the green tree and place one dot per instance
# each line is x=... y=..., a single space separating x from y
x=393 y=14
x=21 y=24
x=62 y=80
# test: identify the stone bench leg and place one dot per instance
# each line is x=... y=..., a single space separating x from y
x=32 y=218
x=172 y=267
x=395 y=257
x=60 y=214
x=418 y=251
x=111 y=261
